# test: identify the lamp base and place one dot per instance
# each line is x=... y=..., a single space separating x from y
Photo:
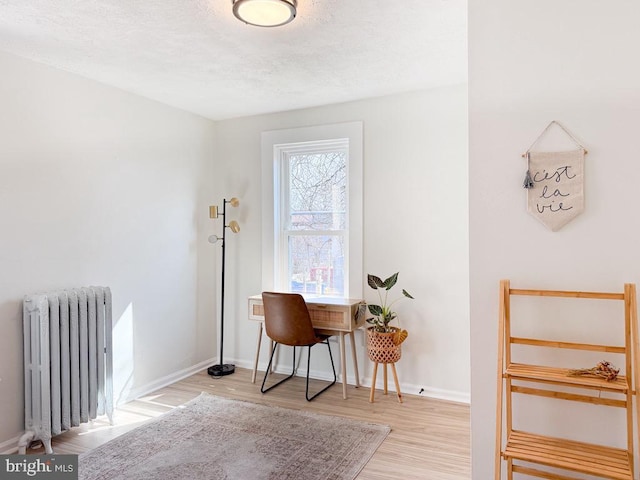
x=221 y=370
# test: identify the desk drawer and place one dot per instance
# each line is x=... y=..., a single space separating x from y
x=328 y=317
x=256 y=310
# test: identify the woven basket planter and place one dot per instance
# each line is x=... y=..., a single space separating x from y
x=381 y=348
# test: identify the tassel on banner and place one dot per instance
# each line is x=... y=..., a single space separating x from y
x=528 y=181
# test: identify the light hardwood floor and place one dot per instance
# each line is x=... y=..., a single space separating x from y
x=429 y=439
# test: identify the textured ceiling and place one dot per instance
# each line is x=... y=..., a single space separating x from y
x=195 y=55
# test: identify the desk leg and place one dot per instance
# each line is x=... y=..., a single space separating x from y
x=255 y=362
x=355 y=358
x=343 y=366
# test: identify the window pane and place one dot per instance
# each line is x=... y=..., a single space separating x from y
x=316 y=264
x=317 y=191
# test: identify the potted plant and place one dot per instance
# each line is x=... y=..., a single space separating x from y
x=384 y=340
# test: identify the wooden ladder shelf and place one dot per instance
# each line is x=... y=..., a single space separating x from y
x=515 y=446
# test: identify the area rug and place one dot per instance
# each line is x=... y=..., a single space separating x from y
x=214 y=438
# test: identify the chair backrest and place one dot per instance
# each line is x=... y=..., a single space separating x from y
x=287 y=320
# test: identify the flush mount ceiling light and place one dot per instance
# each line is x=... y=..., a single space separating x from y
x=265 y=13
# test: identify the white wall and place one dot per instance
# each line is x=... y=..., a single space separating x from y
x=532 y=62
x=102 y=187
x=415 y=222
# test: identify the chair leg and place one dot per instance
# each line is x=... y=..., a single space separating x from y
x=266 y=374
x=333 y=367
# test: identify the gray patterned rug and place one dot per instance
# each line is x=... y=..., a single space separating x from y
x=215 y=438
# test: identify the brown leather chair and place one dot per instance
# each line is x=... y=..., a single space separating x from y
x=287 y=322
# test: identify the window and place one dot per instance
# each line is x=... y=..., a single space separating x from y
x=312 y=233
x=312 y=210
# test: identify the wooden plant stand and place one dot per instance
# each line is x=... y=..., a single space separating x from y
x=382 y=349
x=395 y=379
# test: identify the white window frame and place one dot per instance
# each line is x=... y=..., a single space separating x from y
x=278 y=142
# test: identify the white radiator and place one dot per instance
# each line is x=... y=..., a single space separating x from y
x=68 y=373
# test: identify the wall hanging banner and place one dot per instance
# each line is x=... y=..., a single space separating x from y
x=556 y=195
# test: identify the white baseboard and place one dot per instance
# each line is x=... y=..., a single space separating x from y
x=247 y=364
x=430 y=392
x=406 y=388
x=410 y=389
x=166 y=381
x=12 y=443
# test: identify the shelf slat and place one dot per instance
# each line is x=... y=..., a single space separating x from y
x=534 y=342
x=561 y=376
x=606 y=462
x=567 y=294
x=591 y=399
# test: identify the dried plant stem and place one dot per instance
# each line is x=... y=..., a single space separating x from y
x=601 y=370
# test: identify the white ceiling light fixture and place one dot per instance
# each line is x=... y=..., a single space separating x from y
x=265 y=13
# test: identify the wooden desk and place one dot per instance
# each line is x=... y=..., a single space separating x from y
x=330 y=316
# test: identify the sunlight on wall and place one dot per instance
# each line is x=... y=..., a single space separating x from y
x=123 y=356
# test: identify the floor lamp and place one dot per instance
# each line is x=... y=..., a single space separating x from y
x=221 y=368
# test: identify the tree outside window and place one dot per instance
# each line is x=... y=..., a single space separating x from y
x=315 y=219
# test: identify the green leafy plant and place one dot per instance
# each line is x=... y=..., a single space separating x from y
x=383 y=313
